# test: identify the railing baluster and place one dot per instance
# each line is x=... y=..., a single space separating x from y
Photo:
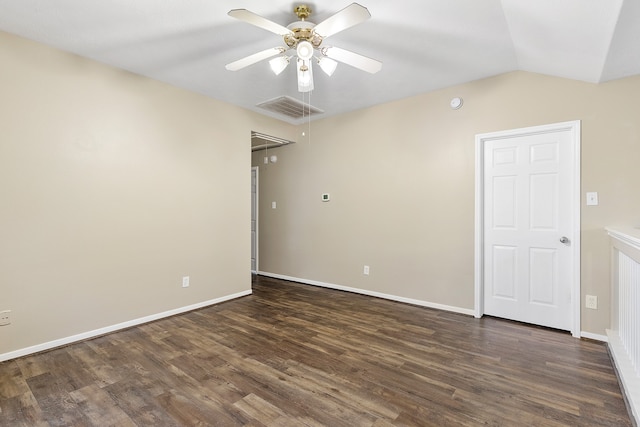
x=624 y=335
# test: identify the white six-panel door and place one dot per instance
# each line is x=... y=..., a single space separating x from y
x=528 y=230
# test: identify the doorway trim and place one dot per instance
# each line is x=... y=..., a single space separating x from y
x=257 y=218
x=574 y=128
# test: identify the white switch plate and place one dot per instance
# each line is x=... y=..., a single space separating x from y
x=273 y=205
x=365 y=270
x=266 y=160
x=185 y=282
x=592 y=199
x=591 y=301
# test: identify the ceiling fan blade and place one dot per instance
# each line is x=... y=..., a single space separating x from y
x=259 y=21
x=252 y=59
x=354 y=59
x=347 y=17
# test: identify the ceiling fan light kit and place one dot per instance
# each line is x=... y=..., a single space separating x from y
x=327 y=65
x=304 y=50
x=306 y=39
x=278 y=64
x=305 y=76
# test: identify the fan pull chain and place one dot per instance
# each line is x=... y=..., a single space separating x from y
x=309 y=117
x=308 y=114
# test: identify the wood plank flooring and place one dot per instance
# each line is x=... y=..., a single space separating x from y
x=298 y=355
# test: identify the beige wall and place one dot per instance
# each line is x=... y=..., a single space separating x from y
x=401 y=178
x=113 y=187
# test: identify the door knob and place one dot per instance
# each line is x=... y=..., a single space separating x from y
x=565 y=240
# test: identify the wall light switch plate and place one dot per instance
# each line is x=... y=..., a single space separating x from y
x=592 y=199
x=591 y=301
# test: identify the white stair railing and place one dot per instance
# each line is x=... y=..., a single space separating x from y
x=624 y=335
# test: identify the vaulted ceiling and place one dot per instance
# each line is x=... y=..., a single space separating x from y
x=424 y=45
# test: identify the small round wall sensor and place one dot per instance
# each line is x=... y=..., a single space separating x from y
x=456 y=103
x=273 y=158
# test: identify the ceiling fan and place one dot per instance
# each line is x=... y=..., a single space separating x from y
x=303 y=42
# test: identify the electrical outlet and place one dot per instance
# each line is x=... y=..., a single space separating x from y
x=365 y=271
x=591 y=301
x=185 y=282
x=5 y=317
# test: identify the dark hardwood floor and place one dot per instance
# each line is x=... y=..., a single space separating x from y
x=297 y=355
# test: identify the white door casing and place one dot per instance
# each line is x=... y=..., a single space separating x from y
x=527 y=200
x=254 y=220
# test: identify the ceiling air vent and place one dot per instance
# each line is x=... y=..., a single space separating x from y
x=290 y=107
x=260 y=141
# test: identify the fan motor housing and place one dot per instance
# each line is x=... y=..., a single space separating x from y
x=302 y=31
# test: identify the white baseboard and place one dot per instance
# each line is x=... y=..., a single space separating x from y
x=596 y=337
x=108 y=329
x=421 y=303
x=630 y=382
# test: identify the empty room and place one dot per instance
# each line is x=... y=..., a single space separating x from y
x=225 y=213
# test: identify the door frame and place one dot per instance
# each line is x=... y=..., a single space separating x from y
x=574 y=128
x=257 y=170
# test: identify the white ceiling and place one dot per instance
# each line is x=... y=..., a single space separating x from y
x=424 y=44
